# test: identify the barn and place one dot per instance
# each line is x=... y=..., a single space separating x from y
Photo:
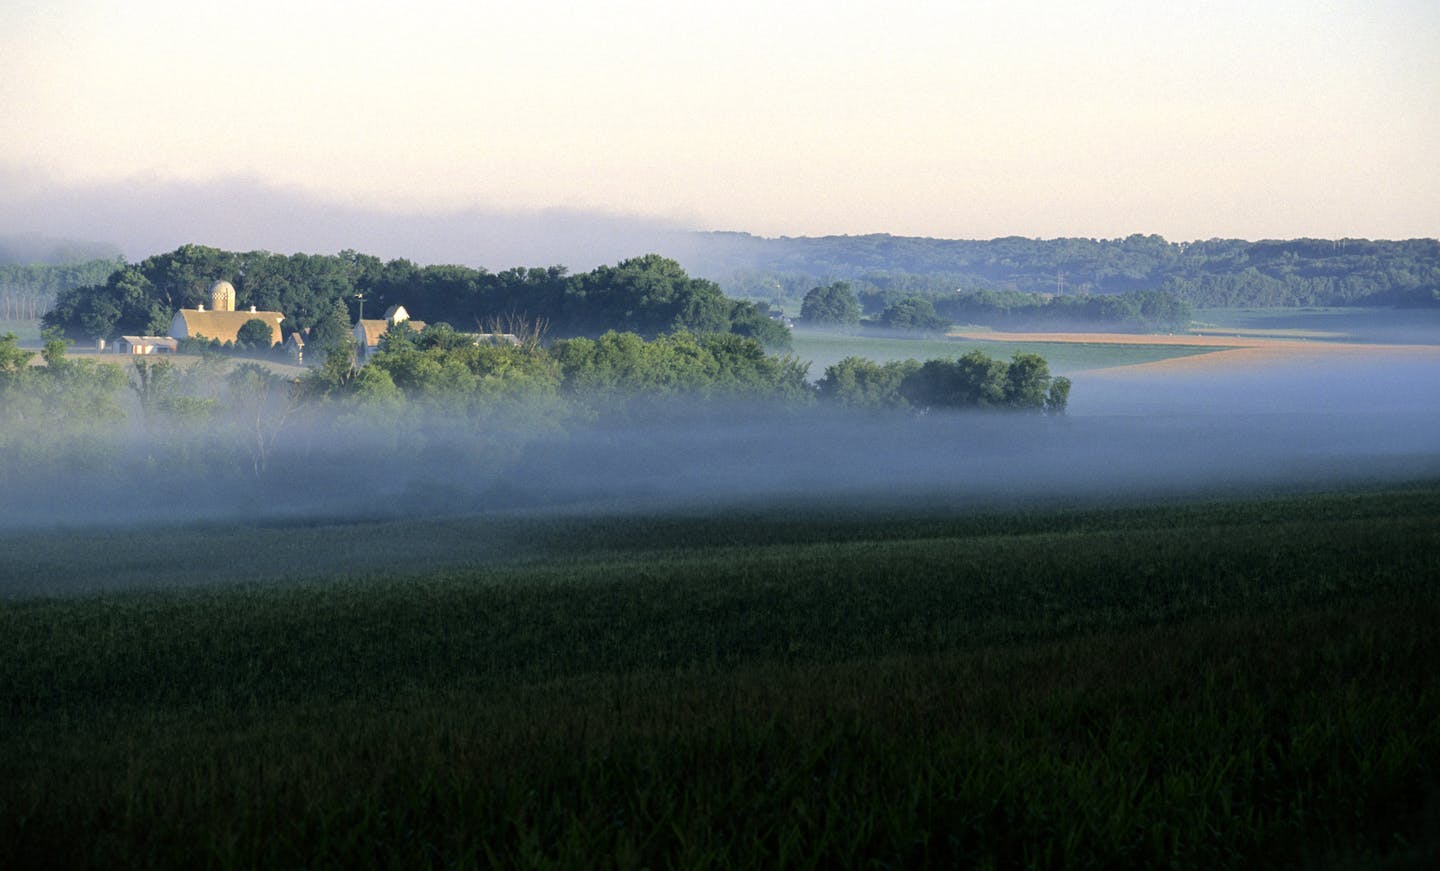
x=369 y=331
x=221 y=322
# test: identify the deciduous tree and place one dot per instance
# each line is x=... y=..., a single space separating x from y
x=832 y=305
x=255 y=335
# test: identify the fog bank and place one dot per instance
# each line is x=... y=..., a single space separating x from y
x=1125 y=438
x=145 y=216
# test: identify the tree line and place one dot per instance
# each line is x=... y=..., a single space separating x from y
x=647 y=295
x=1137 y=310
x=1213 y=273
x=836 y=305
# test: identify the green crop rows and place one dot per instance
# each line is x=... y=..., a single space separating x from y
x=1229 y=683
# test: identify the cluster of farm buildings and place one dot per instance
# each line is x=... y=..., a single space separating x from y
x=222 y=323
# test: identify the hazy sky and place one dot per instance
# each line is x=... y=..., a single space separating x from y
x=1249 y=119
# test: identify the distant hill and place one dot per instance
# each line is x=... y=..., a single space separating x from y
x=1209 y=273
x=1026 y=273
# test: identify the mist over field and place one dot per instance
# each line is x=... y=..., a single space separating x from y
x=476 y=435
x=1136 y=436
x=1130 y=433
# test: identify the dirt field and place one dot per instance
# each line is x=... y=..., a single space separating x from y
x=1231 y=352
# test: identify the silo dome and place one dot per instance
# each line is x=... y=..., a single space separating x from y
x=222 y=296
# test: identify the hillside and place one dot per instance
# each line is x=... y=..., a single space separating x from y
x=1212 y=273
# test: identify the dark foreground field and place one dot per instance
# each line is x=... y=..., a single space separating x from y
x=1230 y=683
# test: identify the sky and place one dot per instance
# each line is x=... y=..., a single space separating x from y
x=948 y=119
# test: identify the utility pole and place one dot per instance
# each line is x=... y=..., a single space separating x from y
x=361 y=297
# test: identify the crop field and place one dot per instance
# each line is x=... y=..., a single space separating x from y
x=1204 y=683
x=1242 y=337
x=826 y=349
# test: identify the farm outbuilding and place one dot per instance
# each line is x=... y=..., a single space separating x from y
x=295 y=346
x=146 y=345
x=369 y=331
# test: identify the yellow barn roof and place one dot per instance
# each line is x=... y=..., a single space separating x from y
x=190 y=323
x=374 y=329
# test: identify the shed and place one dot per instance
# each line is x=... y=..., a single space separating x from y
x=146 y=345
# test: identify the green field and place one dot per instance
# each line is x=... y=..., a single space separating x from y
x=27 y=331
x=826 y=349
x=1230 y=683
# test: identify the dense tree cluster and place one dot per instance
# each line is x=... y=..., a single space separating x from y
x=914 y=314
x=442 y=366
x=646 y=295
x=141 y=299
x=1210 y=273
x=617 y=366
x=974 y=381
x=833 y=305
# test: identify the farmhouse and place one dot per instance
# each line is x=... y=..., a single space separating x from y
x=369 y=331
x=222 y=322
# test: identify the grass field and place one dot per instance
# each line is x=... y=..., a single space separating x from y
x=1367 y=325
x=88 y=352
x=28 y=332
x=1205 y=684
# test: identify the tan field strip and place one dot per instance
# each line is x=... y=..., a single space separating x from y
x=1231 y=351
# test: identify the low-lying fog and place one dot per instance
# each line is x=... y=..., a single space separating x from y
x=1126 y=435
